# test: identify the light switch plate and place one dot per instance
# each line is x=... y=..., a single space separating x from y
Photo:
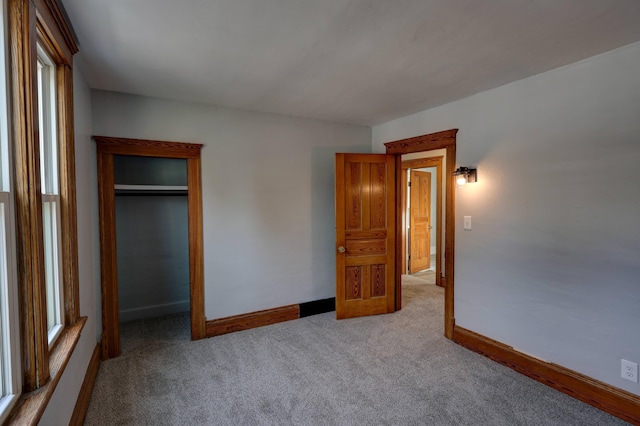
x=467 y=223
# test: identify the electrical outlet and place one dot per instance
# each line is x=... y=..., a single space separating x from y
x=629 y=370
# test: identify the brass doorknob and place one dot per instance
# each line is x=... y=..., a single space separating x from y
x=341 y=249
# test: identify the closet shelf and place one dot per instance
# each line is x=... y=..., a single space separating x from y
x=150 y=189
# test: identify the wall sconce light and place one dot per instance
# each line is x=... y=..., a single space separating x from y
x=465 y=174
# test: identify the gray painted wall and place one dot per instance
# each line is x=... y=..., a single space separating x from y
x=551 y=266
x=268 y=194
x=60 y=408
x=152 y=239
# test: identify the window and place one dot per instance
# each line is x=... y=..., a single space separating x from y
x=10 y=378
x=9 y=343
x=39 y=301
x=50 y=192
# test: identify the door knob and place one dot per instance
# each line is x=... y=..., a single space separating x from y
x=341 y=249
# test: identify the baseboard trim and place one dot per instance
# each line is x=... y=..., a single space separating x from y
x=615 y=401
x=235 y=323
x=317 y=307
x=154 y=311
x=82 y=404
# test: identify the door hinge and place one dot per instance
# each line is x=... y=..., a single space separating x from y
x=409 y=183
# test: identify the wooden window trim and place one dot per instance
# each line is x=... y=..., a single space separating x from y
x=47 y=28
x=56 y=26
x=28 y=202
x=32 y=405
x=30 y=22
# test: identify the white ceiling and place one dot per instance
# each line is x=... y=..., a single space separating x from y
x=353 y=61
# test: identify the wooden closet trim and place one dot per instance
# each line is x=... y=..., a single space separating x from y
x=107 y=147
x=440 y=140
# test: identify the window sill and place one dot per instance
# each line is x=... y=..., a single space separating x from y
x=31 y=405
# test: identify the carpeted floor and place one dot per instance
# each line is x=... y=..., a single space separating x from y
x=393 y=369
x=428 y=277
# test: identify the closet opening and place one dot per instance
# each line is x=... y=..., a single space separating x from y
x=150 y=206
x=152 y=236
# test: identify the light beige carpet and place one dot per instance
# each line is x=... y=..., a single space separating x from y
x=428 y=277
x=394 y=369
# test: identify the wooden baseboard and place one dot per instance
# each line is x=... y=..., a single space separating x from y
x=226 y=325
x=615 y=401
x=82 y=404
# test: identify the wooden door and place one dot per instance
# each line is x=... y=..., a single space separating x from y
x=420 y=221
x=365 y=234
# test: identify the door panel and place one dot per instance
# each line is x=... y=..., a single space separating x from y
x=365 y=234
x=420 y=221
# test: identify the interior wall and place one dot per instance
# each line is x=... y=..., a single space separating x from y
x=551 y=264
x=268 y=194
x=60 y=408
x=152 y=237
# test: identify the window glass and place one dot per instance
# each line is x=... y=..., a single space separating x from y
x=50 y=191
x=6 y=281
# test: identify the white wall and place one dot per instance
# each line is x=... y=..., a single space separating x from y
x=63 y=401
x=551 y=266
x=268 y=195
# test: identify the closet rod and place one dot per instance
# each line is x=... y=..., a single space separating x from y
x=150 y=189
x=137 y=193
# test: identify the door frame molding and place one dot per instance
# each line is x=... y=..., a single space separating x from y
x=440 y=140
x=419 y=163
x=107 y=147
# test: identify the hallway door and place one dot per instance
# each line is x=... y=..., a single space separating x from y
x=420 y=221
x=365 y=234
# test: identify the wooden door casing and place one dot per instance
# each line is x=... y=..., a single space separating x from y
x=432 y=141
x=437 y=226
x=420 y=221
x=365 y=234
x=107 y=147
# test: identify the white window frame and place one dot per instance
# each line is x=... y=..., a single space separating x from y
x=49 y=167
x=10 y=383
x=10 y=366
